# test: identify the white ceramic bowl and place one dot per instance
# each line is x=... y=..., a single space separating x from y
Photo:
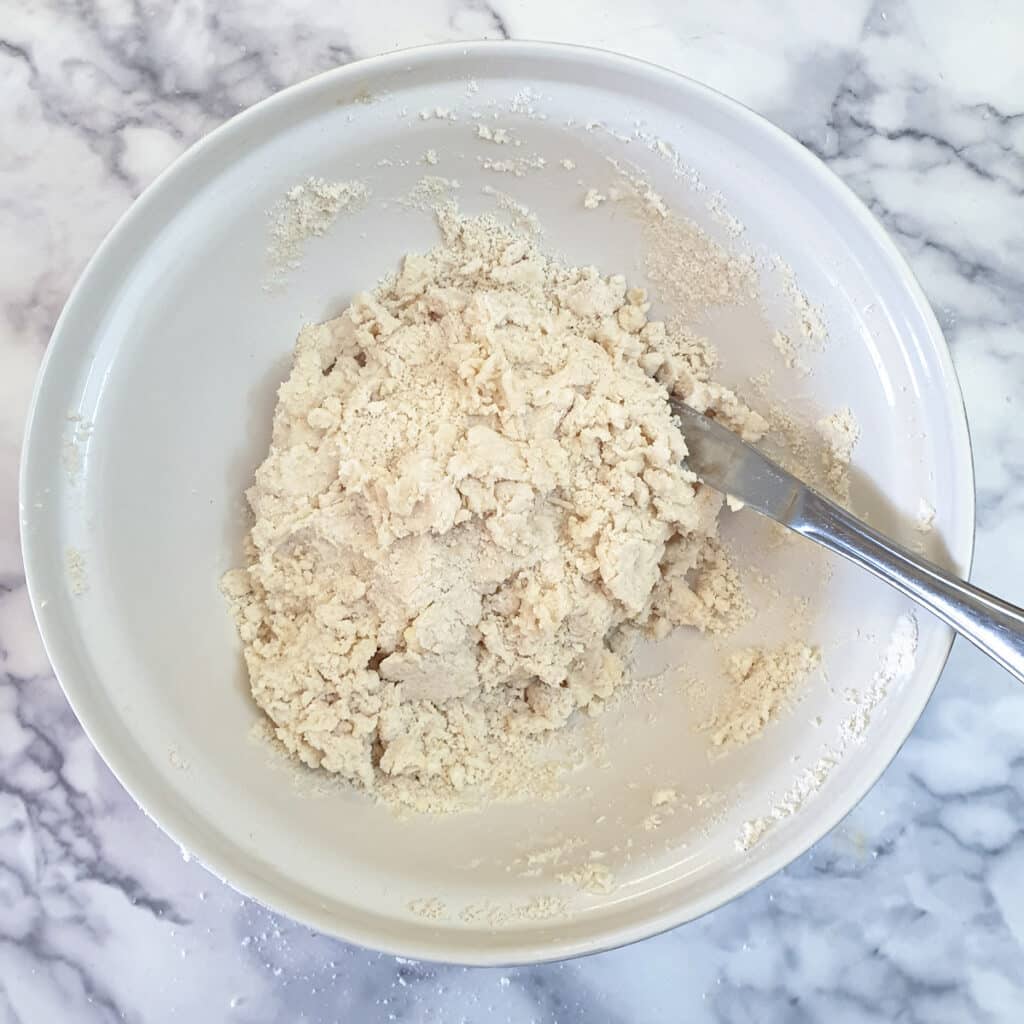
x=171 y=349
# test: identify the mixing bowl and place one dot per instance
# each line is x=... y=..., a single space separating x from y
x=153 y=408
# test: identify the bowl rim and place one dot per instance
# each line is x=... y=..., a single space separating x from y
x=249 y=883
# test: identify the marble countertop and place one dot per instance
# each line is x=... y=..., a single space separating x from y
x=911 y=910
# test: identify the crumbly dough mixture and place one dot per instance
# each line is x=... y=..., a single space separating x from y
x=474 y=501
x=763 y=681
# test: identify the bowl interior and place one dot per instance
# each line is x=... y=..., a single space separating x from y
x=171 y=351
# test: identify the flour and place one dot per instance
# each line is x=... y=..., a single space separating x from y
x=691 y=271
x=522 y=217
x=430 y=190
x=925 y=519
x=664 y=801
x=593 y=877
x=474 y=502
x=763 y=683
x=554 y=854
x=76 y=439
x=809 y=321
x=664 y=797
x=518 y=166
x=496 y=915
x=840 y=433
x=807 y=782
x=307 y=211
x=499 y=136
x=74 y=565
x=787 y=348
x=897 y=664
x=429 y=907
x=438 y=114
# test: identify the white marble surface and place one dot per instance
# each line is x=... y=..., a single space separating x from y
x=912 y=910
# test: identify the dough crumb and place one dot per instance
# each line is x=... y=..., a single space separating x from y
x=438 y=114
x=429 y=907
x=763 y=682
x=840 y=433
x=925 y=517
x=498 y=915
x=784 y=345
x=593 y=877
x=499 y=136
x=74 y=562
x=897 y=663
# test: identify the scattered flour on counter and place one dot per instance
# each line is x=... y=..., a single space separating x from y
x=593 y=199
x=307 y=211
x=474 y=501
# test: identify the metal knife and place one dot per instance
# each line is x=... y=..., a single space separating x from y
x=725 y=462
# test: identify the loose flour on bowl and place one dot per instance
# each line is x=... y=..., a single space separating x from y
x=474 y=502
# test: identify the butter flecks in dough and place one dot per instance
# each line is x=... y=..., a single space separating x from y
x=474 y=498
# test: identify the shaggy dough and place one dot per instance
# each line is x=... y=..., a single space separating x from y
x=474 y=499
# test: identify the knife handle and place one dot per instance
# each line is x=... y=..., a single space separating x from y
x=992 y=625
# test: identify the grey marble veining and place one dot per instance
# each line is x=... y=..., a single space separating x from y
x=913 y=909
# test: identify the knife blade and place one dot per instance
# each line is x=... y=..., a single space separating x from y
x=725 y=462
